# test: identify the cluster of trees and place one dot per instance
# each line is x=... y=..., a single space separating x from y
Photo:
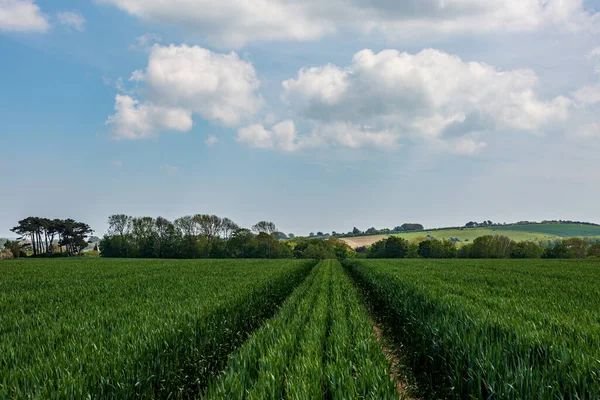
x=473 y=224
x=489 y=246
x=38 y=235
x=208 y=236
x=409 y=227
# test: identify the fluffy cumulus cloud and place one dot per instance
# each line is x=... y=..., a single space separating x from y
x=182 y=80
x=22 y=16
x=71 y=20
x=135 y=120
x=434 y=96
x=219 y=87
x=235 y=22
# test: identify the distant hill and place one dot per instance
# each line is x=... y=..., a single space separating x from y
x=517 y=232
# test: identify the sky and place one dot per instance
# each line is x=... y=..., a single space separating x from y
x=318 y=116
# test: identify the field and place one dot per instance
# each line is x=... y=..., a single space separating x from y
x=321 y=345
x=481 y=329
x=124 y=328
x=278 y=329
x=519 y=233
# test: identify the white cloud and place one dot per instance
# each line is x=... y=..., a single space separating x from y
x=145 y=41
x=432 y=95
x=211 y=141
x=170 y=169
x=72 y=20
x=219 y=87
x=22 y=16
x=594 y=56
x=468 y=146
x=135 y=120
x=236 y=22
x=281 y=136
x=588 y=95
x=117 y=163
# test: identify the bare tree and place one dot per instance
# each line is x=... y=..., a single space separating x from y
x=209 y=225
x=265 y=227
x=228 y=227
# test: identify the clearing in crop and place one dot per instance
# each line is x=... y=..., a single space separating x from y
x=130 y=328
x=502 y=329
x=319 y=346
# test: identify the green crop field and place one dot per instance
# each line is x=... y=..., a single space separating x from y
x=124 y=328
x=492 y=328
x=279 y=329
x=320 y=346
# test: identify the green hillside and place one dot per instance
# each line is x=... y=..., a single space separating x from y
x=519 y=233
x=562 y=230
x=469 y=234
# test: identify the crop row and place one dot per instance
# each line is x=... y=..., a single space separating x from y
x=127 y=328
x=320 y=345
x=492 y=329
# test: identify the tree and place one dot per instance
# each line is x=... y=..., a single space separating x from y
x=267 y=228
x=594 y=250
x=392 y=247
x=356 y=231
x=489 y=246
x=188 y=228
x=228 y=227
x=264 y=227
x=559 y=250
x=411 y=227
x=120 y=225
x=15 y=248
x=437 y=249
x=526 y=250
x=209 y=225
x=241 y=243
x=577 y=246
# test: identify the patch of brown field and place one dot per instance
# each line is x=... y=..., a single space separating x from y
x=356 y=242
x=398 y=370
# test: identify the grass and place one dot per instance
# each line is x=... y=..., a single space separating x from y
x=492 y=328
x=319 y=346
x=130 y=328
x=561 y=230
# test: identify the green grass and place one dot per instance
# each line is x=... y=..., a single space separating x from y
x=561 y=230
x=492 y=328
x=126 y=328
x=319 y=346
x=470 y=234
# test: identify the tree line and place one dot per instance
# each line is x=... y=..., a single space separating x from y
x=489 y=246
x=208 y=236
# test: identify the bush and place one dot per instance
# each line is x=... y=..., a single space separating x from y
x=6 y=254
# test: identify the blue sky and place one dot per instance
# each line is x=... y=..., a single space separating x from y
x=317 y=116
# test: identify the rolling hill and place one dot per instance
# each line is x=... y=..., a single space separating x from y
x=519 y=233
